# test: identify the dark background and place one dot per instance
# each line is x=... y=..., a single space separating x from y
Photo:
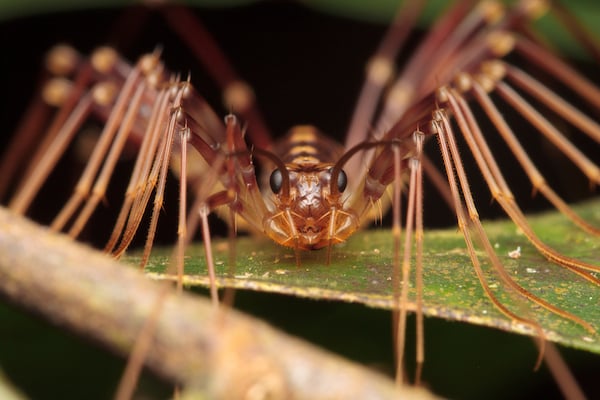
x=305 y=67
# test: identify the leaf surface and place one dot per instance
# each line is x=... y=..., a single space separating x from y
x=361 y=271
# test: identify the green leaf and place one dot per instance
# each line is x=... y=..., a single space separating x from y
x=361 y=272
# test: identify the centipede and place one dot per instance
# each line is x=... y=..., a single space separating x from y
x=446 y=94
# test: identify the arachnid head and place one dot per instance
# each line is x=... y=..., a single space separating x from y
x=307 y=215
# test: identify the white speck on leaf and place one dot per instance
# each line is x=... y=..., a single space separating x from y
x=515 y=253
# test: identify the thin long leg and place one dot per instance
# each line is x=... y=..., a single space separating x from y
x=548 y=130
x=102 y=147
x=548 y=351
x=535 y=176
x=27 y=134
x=141 y=346
x=229 y=293
x=162 y=128
x=481 y=152
x=132 y=371
x=61 y=63
x=562 y=374
x=234 y=141
x=451 y=30
x=140 y=175
x=176 y=115
x=60 y=134
x=399 y=278
x=500 y=190
x=568 y=385
x=451 y=162
x=184 y=136
x=141 y=199
x=406 y=88
x=559 y=70
x=204 y=211
x=202 y=206
x=379 y=71
x=101 y=183
x=419 y=235
x=71 y=75
x=413 y=197
x=552 y=100
x=238 y=94
x=251 y=204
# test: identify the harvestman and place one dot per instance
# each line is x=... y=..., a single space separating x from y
x=312 y=199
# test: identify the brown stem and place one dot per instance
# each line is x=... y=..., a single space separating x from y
x=221 y=353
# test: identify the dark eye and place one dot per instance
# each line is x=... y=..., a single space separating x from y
x=342 y=181
x=276 y=180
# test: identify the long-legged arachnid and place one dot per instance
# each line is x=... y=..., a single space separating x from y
x=465 y=67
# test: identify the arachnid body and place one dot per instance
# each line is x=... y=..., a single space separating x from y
x=393 y=149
